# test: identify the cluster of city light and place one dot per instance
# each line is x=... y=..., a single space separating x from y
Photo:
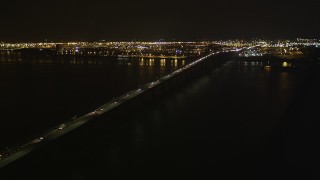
x=251 y=53
x=120 y=49
x=164 y=49
x=12 y=46
x=135 y=49
x=141 y=45
x=269 y=43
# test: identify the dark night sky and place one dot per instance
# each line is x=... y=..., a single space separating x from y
x=57 y=20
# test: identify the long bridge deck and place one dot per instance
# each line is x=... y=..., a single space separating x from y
x=56 y=132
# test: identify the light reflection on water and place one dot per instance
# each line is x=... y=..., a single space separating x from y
x=8 y=58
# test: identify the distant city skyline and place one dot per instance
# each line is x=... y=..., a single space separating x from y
x=141 y=20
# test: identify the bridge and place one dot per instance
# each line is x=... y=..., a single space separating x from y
x=136 y=95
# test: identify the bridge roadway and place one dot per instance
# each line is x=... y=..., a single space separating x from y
x=62 y=129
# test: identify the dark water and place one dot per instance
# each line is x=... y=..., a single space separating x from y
x=37 y=93
x=240 y=121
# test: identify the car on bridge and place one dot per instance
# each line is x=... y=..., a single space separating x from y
x=93 y=113
x=62 y=126
x=39 y=139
